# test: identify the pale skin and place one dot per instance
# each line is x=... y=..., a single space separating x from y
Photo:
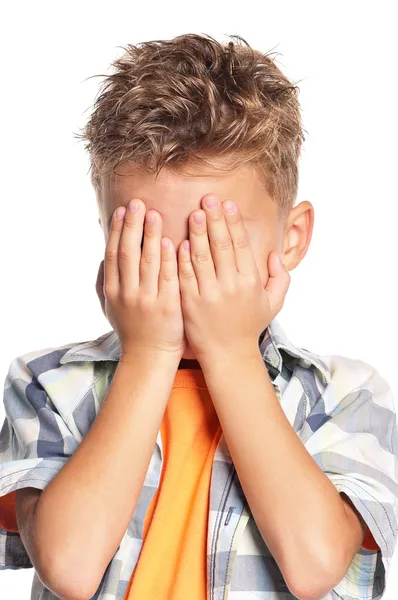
x=219 y=277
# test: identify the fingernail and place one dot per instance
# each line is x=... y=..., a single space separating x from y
x=211 y=201
x=199 y=217
x=229 y=206
x=133 y=206
x=120 y=212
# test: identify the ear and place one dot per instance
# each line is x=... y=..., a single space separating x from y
x=99 y=286
x=298 y=234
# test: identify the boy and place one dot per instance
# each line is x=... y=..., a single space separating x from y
x=193 y=452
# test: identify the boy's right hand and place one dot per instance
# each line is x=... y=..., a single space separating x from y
x=139 y=292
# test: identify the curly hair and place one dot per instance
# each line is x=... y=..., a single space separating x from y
x=190 y=99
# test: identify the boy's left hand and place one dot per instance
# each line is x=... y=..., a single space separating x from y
x=224 y=304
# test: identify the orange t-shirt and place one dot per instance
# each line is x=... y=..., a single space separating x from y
x=173 y=559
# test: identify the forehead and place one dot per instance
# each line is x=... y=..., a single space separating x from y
x=176 y=194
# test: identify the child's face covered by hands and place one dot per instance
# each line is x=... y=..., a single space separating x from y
x=175 y=195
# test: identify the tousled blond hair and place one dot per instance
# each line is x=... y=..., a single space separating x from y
x=189 y=99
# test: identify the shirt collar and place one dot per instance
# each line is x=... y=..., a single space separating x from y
x=274 y=339
x=271 y=341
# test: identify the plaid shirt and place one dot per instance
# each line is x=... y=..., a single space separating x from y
x=341 y=409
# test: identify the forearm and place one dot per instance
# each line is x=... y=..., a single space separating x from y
x=84 y=511
x=298 y=511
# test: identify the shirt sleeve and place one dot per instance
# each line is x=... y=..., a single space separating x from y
x=35 y=443
x=355 y=443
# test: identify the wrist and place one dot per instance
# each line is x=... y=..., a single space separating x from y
x=231 y=358
x=150 y=355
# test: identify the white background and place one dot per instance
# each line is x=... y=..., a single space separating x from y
x=342 y=298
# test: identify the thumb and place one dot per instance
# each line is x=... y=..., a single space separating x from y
x=278 y=281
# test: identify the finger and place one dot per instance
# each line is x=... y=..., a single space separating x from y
x=278 y=281
x=150 y=255
x=111 y=265
x=201 y=256
x=244 y=257
x=221 y=246
x=168 y=274
x=129 y=246
x=186 y=273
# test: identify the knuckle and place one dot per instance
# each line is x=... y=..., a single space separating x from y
x=147 y=259
x=109 y=291
x=115 y=225
x=126 y=297
x=187 y=275
x=213 y=299
x=130 y=223
x=230 y=289
x=110 y=255
x=241 y=242
x=145 y=304
x=167 y=276
x=222 y=243
x=151 y=234
x=123 y=253
x=201 y=257
x=251 y=283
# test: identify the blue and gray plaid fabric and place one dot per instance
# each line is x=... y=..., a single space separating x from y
x=342 y=410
